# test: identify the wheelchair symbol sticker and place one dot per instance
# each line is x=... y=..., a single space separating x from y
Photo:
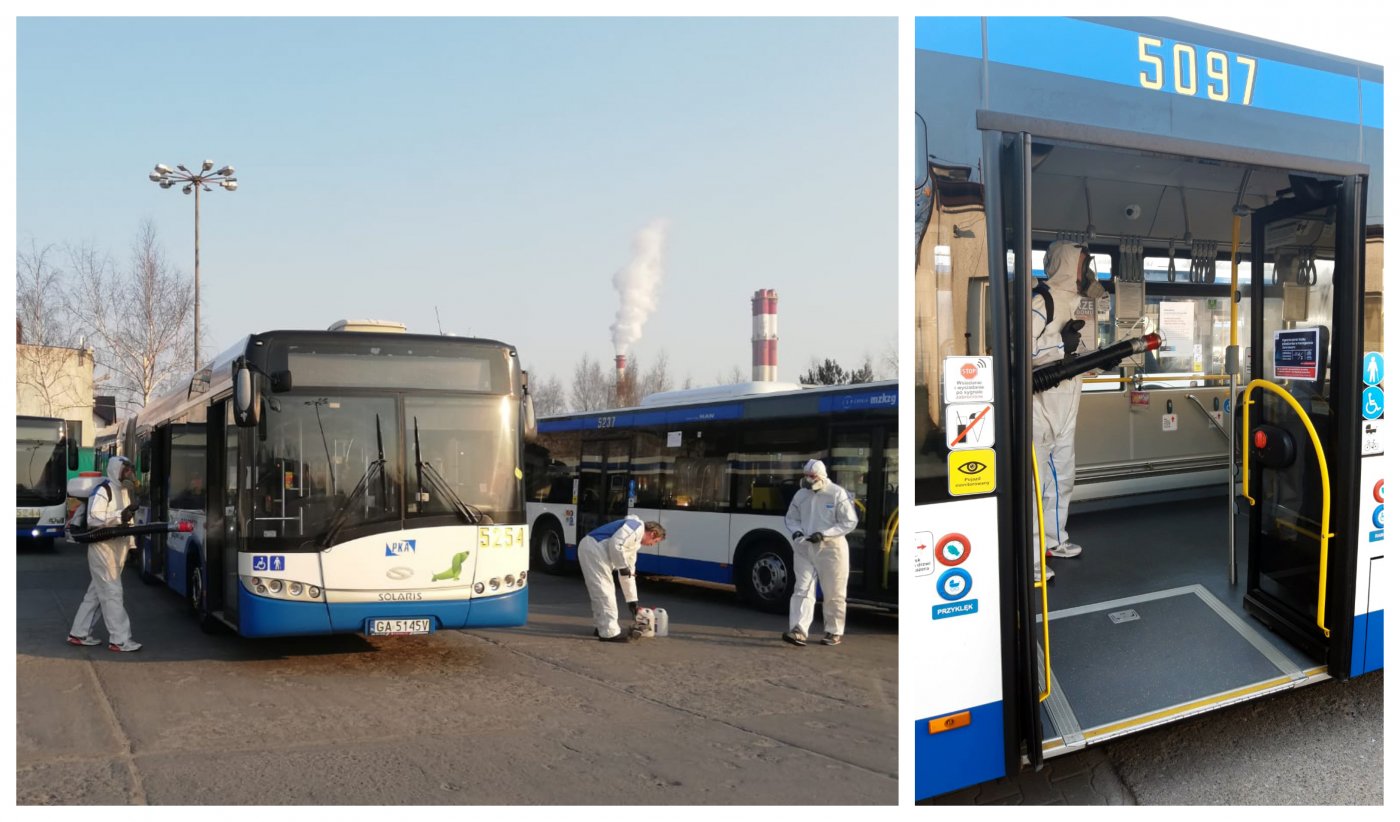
x=954 y=584
x=259 y=563
x=1372 y=403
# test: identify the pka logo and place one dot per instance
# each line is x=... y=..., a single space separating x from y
x=404 y=548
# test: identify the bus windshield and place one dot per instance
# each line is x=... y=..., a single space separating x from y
x=316 y=451
x=41 y=470
x=319 y=448
x=471 y=441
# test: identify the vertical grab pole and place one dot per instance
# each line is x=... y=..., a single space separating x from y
x=1232 y=367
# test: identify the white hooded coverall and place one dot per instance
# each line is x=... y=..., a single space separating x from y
x=105 y=561
x=608 y=548
x=824 y=509
x=1055 y=412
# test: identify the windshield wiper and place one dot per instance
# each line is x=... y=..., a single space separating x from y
x=342 y=512
x=470 y=513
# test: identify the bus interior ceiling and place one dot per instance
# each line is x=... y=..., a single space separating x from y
x=1146 y=622
x=1076 y=185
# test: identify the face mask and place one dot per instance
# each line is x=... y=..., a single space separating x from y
x=1089 y=279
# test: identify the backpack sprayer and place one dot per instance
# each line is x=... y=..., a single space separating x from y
x=82 y=489
x=1052 y=374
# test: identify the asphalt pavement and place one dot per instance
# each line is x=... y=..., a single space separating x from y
x=720 y=712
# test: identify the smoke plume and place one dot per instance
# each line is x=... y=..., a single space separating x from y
x=637 y=285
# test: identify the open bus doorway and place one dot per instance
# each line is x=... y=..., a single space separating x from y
x=1186 y=596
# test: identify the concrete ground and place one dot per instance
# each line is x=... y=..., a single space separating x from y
x=720 y=712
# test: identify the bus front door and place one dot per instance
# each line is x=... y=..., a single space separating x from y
x=604 y=476
x=1304 y=414
x=858 y=464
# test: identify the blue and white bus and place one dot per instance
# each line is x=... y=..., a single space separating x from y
x=1229 y=488
x=718 y=468
x=341 y=481
x=47 y=453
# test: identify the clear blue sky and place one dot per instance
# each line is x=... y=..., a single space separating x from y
x=496 y=169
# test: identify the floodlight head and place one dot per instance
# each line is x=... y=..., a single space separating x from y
x=162 y=168
x=231 y=185
x=167 y=183
x=154 y=177
x=188 y=188
x=208 y=164
x=225 y=171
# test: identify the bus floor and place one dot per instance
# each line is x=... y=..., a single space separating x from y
x=1145 y=626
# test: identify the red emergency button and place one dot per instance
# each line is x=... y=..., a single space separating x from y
x=1260 y=439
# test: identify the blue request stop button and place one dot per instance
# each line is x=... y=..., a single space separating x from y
x=954 y=584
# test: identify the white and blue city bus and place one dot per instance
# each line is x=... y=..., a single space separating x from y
x=341 y=481
x=1229 y=490
x=46 y=451
x=718 y=467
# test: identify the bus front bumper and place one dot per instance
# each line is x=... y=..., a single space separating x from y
x=265 y=616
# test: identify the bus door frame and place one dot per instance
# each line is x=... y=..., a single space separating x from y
x=215 y=506
x=1343 y=451
x=876 y=515
x=598 y=514
x=160 y=496
x=1007 y=154
x=1006 y=150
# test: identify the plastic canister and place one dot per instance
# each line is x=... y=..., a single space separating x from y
x=663 y=622
x=646 y=622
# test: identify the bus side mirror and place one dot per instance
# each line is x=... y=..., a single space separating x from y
x=73 y=434
x=527 y=413
x=247 y=396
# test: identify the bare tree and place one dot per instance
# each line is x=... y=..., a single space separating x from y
x=140 y=317
x=548 y=396
x=50 y=380
x=657 y=378
x=39 y=298
x=888 y=368
x=735 y=376
x=592 y=389
x=830 y=372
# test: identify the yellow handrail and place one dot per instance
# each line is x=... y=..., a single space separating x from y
x=1044 y=594
x=891 y=532
x=1326 y=485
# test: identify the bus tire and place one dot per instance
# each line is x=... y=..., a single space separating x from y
x=763 y=575
x=146 y=576
x=547 y=547
x=197 y=595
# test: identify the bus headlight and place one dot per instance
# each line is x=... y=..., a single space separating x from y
x=510 y=581
x=522 y=579
x=479 y=588
x=495 y=583
x=262 y=589
x=313 y=592
x=294 y=589
x=274 y=585
x=257 y=582
x=34 y=533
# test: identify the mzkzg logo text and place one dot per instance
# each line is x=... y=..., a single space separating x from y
x=403 y=548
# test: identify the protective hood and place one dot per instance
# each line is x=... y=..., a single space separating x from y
x=816 y=467
x=1062 y=266
x=115 y=466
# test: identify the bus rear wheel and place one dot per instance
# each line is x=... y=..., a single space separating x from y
x=199 y=598
x=764 y=576
x=547 y=548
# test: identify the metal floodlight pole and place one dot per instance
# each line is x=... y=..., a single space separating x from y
x=165 y=177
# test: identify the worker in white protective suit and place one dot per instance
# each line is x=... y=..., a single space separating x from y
x=609 y=548
x=819 y=518
x=1056 y=334
x=111 y=504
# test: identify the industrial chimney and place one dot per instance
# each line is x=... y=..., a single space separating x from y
x=621 y=390
x=765 y=335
